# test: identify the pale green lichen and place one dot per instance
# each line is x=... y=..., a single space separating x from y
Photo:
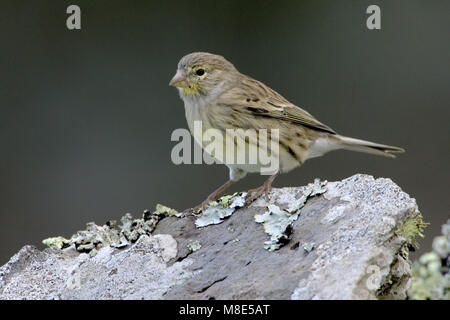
x=225 y=200
x=278 y=222
x=56 y=242
x=430 y=274
x=194 y=246
x=217 y=211
x=166 y=211
x=411 y=229
x=441 y=245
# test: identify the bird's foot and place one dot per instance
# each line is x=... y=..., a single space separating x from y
x=197 y=210
x=254 y=194
x=191 y=212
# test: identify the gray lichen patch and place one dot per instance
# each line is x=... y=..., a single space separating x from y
x=132 y=229
x=213 y=215
x=430 y=274
x=218 y=210
x=311 y=190
x=194 y=246
x=95 y=237
x=309 y=246
x=278 y=222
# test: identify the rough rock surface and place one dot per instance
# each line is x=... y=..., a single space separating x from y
x=350 y=242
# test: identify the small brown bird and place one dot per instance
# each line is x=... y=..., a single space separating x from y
x=217 y=94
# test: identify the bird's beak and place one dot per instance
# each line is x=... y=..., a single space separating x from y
x=178 y=80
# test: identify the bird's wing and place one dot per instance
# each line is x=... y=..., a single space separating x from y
x=260 y=100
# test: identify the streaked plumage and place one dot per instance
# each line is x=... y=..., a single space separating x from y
x=217 y=94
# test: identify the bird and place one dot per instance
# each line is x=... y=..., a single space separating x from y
x=221 y=98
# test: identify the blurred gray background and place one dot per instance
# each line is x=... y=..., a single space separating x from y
x=86 y=116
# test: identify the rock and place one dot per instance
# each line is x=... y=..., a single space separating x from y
x=348 y=241
x=139 y=272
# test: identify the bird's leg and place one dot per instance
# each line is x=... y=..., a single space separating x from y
x=212 y=197
x=254 y=194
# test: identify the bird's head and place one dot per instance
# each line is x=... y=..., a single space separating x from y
x=202 y=74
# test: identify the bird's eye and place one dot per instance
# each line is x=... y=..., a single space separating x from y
x=200 y=72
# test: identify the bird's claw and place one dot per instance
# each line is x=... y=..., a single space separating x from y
x=196 y=212
x=254 y=194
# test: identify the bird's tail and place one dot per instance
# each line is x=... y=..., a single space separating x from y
x=353 y=144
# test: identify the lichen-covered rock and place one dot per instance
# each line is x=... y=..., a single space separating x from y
x=138 y=272
x=431 y=273
x=348 y=241
x=278 y=222
x=95 y=237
